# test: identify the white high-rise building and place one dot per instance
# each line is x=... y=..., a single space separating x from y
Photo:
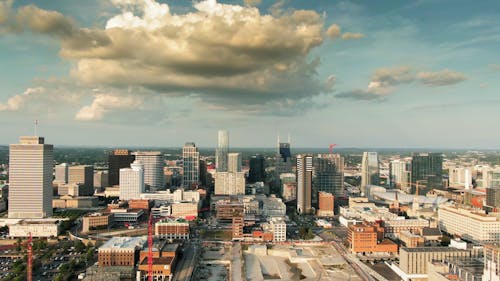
x=227 y=183
x=221 y=151
x=304 y=183
x=369 y=170
x=460 y=177
x=153 y=168
x=31 y=165
x=132 y=181
x=234 y=162
x=400 y=174
x=61 y=173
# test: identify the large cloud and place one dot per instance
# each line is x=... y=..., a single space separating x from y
x=384 y=81
x=221 y=53
x=104 y=103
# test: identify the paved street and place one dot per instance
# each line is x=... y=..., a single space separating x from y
x=185 y=267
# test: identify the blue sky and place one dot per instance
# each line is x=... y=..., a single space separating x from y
x=355 y=73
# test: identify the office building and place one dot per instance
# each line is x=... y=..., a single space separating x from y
x=277 y=227
x=31 y=165
x=329 y=174
x=118 y=159
x=326 y=204
x=289 y=191
x=222 y=151
x=96 y=221
x=369 y=238
x=283 y=159
x=369 y=170
x=400 y=174
x=101 y=180
x=84 y=175
x=304 y=183
x=493 y=198
x=257 y=171
x=42 y=228
x=191 y=165
x=172 y=229
x=469 y=224
x=153 y=169
x=120 y=251
x=132 y=181
x=460 y=177
x=491 y=271
x=227 y=183
x=234 y=162
x=427 y=172
x=61 y=173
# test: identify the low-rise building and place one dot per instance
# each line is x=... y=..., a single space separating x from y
x=273 y=207
x=227 y=209
x=277 y=227
x=70 y=202
x=172 y=229
x=126 y=215
x=365 y=238
x=141 y=204
x=37 y=228
x=185 y=210
x=326 y=204
x=120 y=251
x=411 y=240
x=96 y=221
x=470 y=224
x=491 y=271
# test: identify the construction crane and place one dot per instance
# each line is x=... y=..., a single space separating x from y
x=30 y=259
x=331 y=146
x=150 y=248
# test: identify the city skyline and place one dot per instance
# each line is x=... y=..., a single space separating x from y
x=372 y=75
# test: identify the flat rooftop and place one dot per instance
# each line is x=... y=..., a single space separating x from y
x=124 y=243
x=431 y=249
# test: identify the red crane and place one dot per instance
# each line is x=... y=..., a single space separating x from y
x=331 y=146
x=30 y=259
x=150 y=248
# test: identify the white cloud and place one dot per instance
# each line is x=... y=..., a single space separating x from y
x=252 y=2
x=333 y=31
x=104 y=103
x=351 y=36
x=440 y=78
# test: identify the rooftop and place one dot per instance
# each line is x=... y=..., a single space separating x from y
x=124 y=243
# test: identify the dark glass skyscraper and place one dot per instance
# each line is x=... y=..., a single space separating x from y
x=427 y=171
x=257 y=169
x=329 y=174
x=283 y=159
x=118 y=159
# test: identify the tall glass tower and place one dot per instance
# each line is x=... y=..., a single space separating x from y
x=191 y=159
x=222 y=151
x=369 y=170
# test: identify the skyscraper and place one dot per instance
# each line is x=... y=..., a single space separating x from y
x=61 y=173
x=400 y=174
x=369 y=170
x=82 y=174
x=222 y=151
x=30 y=178
x=191 y=166
x=329 y=174
x=234 y=162
x=283 y=159
x=304 y=183
x=153 y=168
x=229 y=183
x=427 y=171
x=118 y=159
x=132 y=181
x=257 y=169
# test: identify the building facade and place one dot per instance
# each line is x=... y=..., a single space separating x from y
x=61 y=173
x=369 y=170
x=153 y=169
x=222 y=151
x=172 y=229
x=132 y=181
x=428 y=169
x=304 y=183
x=257 y=169
x=326 y=204
x=82 y=174
x=234 y=162
x=31 y=165
x=118 y=159
x=329 y=174
x=191 y=165
x=227 y=183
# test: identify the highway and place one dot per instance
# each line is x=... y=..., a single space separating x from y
x=185 y=267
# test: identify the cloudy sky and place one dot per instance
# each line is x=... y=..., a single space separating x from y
x=159 y=73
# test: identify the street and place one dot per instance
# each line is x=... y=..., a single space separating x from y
x=185 y=267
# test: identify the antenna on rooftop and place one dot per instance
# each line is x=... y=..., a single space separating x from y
x=36 y=127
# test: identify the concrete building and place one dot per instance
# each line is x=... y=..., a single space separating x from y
x=234 y=162
x=278 y=228
x=491 y=271
x=191 y=165
x=221 y=152
x=118 y=159
x=369 y=170
x=460 y=177
x=96 y=221
x=272 y=207
x=84 y=175
x=37 y=228
x=493 y=198
x=61 y=173
x=329 y=174
x=326 y=204
x=304 y=183
x=30 y=178
x=101 y=180
x=176 y=196
x=470 y=224
x=229 y=183
x=185 y=210
x=411 y=240
x=132 y=181
x=71 y=202
x=400 y=174
x=227 y=209
x=153 y=169
x=120 y=251
x=172 y=229
x=289 y=192
x=126 y=215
